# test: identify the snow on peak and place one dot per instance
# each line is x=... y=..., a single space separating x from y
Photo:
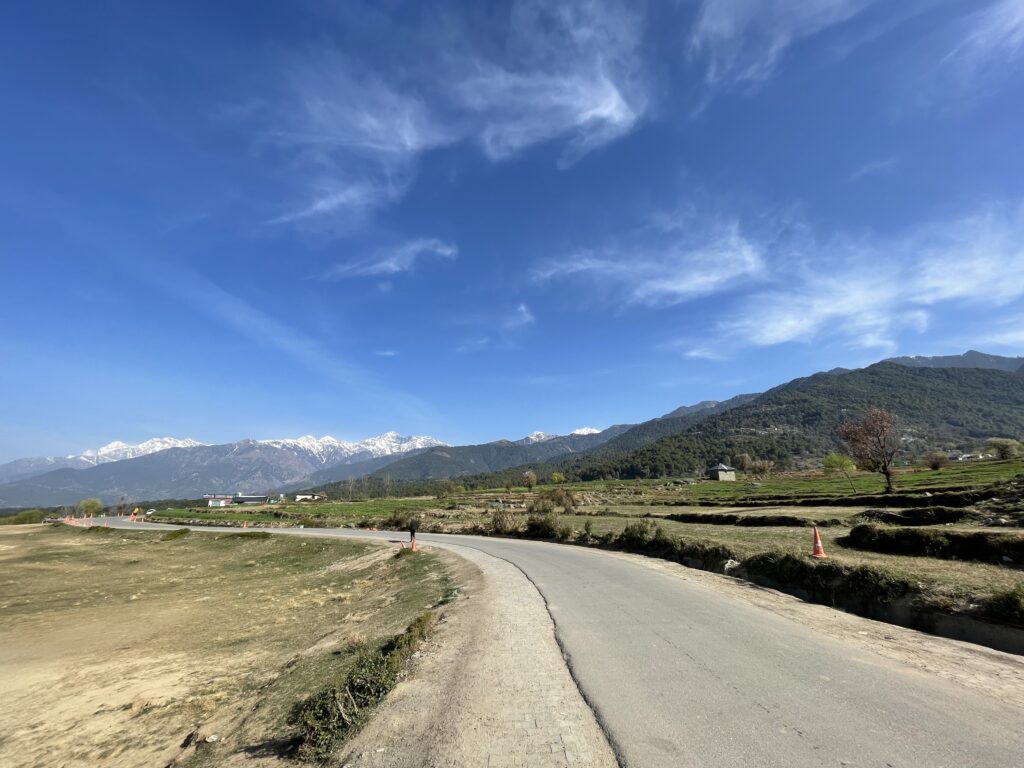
x=118 y=451
x=329 y=450
x=537 y=437
x=585 y=431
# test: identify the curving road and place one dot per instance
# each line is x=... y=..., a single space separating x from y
x=679 y=675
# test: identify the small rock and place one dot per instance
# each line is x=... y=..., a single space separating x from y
x=1007 y=559
x=730 y=565
x=212 y=738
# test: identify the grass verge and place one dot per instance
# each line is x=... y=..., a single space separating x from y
x=336 y=712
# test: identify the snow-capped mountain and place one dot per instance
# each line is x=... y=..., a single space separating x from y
x=166 y=468
x=330 y=450
x=541 y=437
x=20 y=469
x=535 y=437
x=118 y=451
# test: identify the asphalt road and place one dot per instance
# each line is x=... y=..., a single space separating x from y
x=680 y=676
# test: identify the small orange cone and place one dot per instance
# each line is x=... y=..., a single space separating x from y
x=819 y=551
x=132 y=518
x=245 y=523
x=414 y=545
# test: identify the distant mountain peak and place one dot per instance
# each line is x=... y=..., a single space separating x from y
x=329 y=449
x=118 y=450
x=972 y=358
x=536 y=437
x=585 y=431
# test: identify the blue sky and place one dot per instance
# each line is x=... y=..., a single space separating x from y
x=474 y=220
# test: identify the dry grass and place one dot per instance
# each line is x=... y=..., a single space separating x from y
x=118 y=647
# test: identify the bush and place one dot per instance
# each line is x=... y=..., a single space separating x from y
x=937 y=460
x=333 y=713
x=25 y=517
x=636 y=536
x=542 y=526
x=560 y=497
x=503 y=522
x=542 y=505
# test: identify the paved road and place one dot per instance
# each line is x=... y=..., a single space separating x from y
x=680 y=676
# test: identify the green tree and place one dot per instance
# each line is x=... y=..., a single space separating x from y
x=839 y=463
x=873 y=442
x=743 y=462
x=88 y=507
x=1004 y=447
x=557 y=477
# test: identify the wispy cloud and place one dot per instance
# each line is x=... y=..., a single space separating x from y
x=743 y=42
x=353 y=133
x=865 y=291
x=873 y=168
x=665 y=267
x=520 y=317
x=994 y=34
x=392 y=261
x=582 y=80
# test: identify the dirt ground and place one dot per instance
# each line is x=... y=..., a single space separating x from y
x=131 y=649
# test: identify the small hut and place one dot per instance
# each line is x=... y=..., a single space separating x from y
x=722 y=472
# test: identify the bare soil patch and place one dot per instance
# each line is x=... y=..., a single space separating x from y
x=124 y=649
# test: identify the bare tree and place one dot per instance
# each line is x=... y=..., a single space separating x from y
x=743 y=462
x=936 y=460
x=529 y=479
x=873 y=442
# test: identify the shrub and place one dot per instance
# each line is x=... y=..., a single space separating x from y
x=503 y=522
x=560 y=497
x=542 y=505
x=542 y=526
x=636 y=536
x=333 y=713
x=25 y=517
x=937 y=460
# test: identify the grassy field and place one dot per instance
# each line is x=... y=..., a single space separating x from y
x=117 y=647
x=607 y=507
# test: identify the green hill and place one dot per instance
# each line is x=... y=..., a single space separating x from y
x=796 y=423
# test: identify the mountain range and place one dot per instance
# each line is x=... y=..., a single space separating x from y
x=191 y=469
x=943 y=401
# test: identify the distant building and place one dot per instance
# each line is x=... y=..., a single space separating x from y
x=239 y=498
x=218 y=502
x=722 y=472
x=309 y=497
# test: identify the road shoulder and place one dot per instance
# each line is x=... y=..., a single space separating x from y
x=491 y=689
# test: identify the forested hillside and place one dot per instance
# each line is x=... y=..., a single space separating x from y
x=938 y=408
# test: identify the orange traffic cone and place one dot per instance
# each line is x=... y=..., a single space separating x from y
x=819 y=551
x=245 y=523
x=132 y=518
x=414 y=545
